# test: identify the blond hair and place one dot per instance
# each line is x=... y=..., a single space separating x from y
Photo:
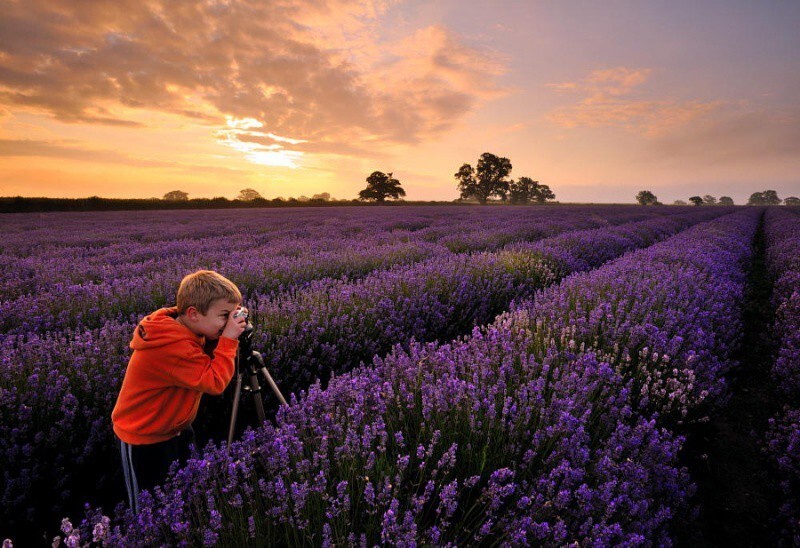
x=202 y=288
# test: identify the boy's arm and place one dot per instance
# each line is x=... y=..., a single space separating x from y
x=196 y=370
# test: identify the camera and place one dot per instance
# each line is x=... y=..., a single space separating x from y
x=247 y=335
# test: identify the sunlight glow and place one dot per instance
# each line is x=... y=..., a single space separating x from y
x=273 y=154
x=283 y=158
x=242 y=123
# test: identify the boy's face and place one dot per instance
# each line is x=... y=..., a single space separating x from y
x=212 y=323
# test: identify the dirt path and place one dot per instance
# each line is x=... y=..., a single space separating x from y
x=736 y=495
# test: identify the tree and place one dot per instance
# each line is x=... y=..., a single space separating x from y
x=248 y=195
x=381 y=186
x=771 y=198
x=791 y=201
x=708 y=199
x=768 y=197
x=541 y=193
x=489 y=179
x=725 y=201
x=325 y=196
x=679 y=202
x=176 y=196
x=645 y=197
x=525 y=190
x=519 y=191
x=696 y=200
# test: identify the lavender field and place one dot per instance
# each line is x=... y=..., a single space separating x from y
x=458 y=375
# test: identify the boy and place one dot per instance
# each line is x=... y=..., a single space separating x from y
x=168 y=373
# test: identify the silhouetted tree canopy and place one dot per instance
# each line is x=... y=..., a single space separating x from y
x=541 y=193
x=771 y=197
x=176 y=196
x=645 y=197
x=381 y=186
x=678 y=202
x=792 y=201
x=708 y=199
x=489 y=179
x=725 y=201
x=767 y=197
x=324 y=196
x=520 y=190
x=525 y=190
x=696 y=200
x=249 y=194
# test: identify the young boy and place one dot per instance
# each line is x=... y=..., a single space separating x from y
x=168 y=373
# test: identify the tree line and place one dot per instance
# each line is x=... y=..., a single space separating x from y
x=490 y=178
x=764 y=198
x=20 y=204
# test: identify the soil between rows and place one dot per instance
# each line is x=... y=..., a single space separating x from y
x=737 y=495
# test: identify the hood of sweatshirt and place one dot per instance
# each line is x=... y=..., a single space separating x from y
x=160 y=329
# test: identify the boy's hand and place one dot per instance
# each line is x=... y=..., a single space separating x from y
x=234 y=327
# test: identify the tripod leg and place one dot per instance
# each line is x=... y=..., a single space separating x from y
x=235 y=411
x=273 y=385
x=257 y=397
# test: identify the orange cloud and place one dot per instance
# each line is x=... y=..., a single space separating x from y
x=292 y=65
x=617 y=81
x=609 y=100
x=430 y=80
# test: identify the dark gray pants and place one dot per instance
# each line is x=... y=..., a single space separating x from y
x=145 y=466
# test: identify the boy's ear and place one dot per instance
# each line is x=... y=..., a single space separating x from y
x=192 y=313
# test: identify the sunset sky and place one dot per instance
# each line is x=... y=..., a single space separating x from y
x=134 y=98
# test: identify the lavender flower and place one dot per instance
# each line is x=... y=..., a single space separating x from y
x=782 y=439
x=509 y=399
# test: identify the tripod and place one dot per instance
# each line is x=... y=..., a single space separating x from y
x=250 y=362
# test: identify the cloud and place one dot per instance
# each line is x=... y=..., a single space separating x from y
x=72 y=150
x=68 y=150
x=738 y=135
x=617 y=81
x=608 y=98
x=441 y=80
x=703 y=134
x=259 y=147
x=304 y=69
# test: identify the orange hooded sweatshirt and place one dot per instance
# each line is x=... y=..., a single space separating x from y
x=166 y=377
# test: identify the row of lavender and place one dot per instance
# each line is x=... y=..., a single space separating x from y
x=27 y=234
x=59 y=387
x=52 y=288
x=556 y=424
x=782 y=444
x=78 y=234
x=332 y=325
x=101 y=240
